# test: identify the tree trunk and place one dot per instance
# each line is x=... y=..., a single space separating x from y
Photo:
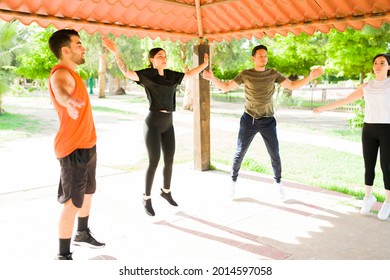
x=119 y=90
x=102 y=73
x=362 y=76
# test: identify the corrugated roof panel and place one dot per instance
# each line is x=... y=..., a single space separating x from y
x=220 y=19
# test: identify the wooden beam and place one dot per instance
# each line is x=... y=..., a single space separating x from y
x=199 y=19
x=201 y=111
x=218 y=2
x=175 y=3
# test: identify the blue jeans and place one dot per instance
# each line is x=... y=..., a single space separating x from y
x=249 y=127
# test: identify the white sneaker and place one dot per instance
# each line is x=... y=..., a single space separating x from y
x=367 y=204
x=233 y=188
x=280 y=189
x=384 y=213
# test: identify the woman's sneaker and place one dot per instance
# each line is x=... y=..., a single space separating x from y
x=368 y=202
x=148 y=206
x=85 y=238
x=384 y=213
x=168 y=197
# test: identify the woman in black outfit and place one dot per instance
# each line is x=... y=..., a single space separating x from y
x=160 y=86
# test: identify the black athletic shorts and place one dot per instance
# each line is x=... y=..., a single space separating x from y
x=78 y=176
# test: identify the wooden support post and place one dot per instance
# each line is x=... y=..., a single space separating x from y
x=201 y=114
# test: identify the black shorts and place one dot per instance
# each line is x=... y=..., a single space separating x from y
x=78 y=176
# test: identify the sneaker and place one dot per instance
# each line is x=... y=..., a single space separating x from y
x=233 y=188
x=280 y=189
x=67 y=257
x=384 y=213
x=168 y=197
x=85 y=238
x=148 y=206
x=367 y=205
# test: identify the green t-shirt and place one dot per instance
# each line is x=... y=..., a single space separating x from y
x=259 y=90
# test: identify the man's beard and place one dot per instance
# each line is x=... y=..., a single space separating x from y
x=78 y=60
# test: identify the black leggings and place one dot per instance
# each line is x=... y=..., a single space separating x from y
x=159 y=134
x=374 y=137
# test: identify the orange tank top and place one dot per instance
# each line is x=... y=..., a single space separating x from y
x=73 y=134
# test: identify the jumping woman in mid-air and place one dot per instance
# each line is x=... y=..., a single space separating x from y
x=160 y=86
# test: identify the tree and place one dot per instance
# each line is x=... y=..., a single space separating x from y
x=37 y=60
x=132 y=53
x=8 y=46
x=295 y=55
x=351 y=51
x=229 y=58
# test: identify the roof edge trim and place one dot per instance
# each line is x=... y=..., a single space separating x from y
x=88 y=24
x=385 y=16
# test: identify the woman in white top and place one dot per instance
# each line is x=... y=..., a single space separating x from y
x=376 y=129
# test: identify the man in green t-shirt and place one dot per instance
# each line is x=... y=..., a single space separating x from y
x=258 y=116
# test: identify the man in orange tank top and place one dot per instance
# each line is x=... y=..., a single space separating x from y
x=75 y=142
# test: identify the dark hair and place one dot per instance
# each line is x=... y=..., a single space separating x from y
x=259 y=47
x=385 y=55
x=61 y=38
x=152 y=53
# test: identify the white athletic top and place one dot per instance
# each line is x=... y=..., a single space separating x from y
x=377 y=101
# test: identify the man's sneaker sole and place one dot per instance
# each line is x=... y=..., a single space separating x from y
x=85 y=238
x=86 y=244
x=67 y=257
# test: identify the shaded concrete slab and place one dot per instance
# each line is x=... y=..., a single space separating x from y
x=254 y=224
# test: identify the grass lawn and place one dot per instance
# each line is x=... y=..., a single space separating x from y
x=15 y=126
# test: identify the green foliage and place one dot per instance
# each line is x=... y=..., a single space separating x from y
x=229 y=58
x=37 y=60
x=134 y=52
x=93 y=45
x=289 y=55
x=345 y=54
x=8 y=48
x=296 y=54
x=225 y=75
x=8 y=40
x=350 y=52
x=8 y=34
x=358 y=119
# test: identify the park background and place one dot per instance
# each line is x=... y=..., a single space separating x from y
x=26 y=60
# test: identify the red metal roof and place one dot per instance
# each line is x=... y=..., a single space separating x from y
x=209 y=19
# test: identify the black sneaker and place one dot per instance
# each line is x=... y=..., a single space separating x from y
x=85 y=238
x=148 y=206
x=168 y=197
x=67 y=257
